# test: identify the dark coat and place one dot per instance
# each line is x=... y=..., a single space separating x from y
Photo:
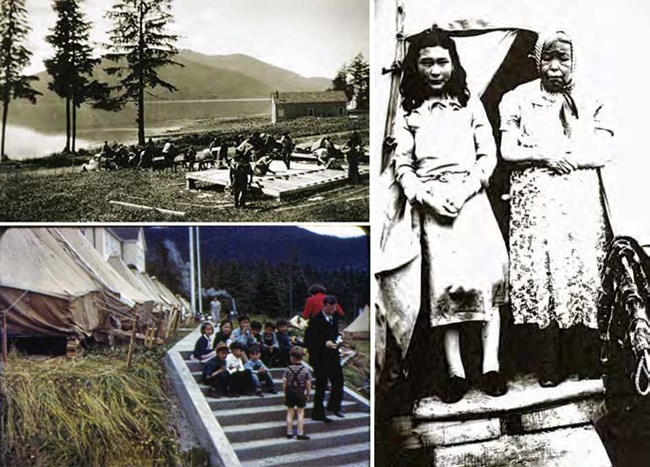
x=318 y=332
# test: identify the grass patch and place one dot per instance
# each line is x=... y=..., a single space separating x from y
x=88 y=411
x=84 y=197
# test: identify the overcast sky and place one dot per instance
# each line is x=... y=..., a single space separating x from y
x=310 y=37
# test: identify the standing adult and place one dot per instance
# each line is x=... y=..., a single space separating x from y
x=442 y=251
x=321 y=339
x=314 y=304
x=215 y=310
x=557 y=137
x=287 y=149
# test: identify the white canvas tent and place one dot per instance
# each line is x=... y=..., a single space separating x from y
x=50 y=291
x=360 y=327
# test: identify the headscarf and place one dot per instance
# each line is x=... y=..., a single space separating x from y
x=569 y=107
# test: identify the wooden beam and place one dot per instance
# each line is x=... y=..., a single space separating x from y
x=129 y=356
x=148 y=208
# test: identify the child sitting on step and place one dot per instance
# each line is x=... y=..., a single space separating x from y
x=241 y=378
x=216 y=373
x=284 y=342
x=296 y=384
x=261 y=374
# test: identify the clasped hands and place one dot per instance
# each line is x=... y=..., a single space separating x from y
x=448 y=199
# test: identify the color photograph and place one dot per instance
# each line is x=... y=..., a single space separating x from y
x=179 y=346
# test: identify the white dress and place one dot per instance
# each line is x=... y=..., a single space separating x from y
x=464 y=260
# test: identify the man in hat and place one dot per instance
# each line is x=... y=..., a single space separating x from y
x=322 y=340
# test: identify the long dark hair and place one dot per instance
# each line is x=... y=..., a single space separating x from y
x=413 y=89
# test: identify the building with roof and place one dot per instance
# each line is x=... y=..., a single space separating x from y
x=126 y=242
x=286 y=105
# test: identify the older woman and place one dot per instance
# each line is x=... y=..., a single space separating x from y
x=556 y=137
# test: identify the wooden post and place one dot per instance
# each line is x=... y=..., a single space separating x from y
x=132 y=343
x=3 y=313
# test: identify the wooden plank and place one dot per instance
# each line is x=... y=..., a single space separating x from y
x=568 y=447
x=147 y=208
x=576 y=413
x=524 y=394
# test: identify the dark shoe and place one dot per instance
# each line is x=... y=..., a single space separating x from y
x=303 y=437
x=322 y=418
x=493 y=384
x=455 y=389
x=273 y=391
x=549 y=375
x=289 y=436
x=338 y=413
x=258 y=393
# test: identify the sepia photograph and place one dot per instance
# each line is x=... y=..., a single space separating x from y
x=511 y=258
x=184 y=111
x=185 y=346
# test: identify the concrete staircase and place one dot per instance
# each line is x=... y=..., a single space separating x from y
x=254 y=428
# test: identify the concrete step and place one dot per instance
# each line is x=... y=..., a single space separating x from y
x=275 y=374
x=357 y=453
x=281 y=445
x=223 y=403
x=196 y=367
x=524 y=395
x=278 y=429
x=260 y=414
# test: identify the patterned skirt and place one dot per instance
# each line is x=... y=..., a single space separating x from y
x=558 y=238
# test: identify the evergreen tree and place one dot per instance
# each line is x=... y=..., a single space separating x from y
x=72 y=65
x=14 y=57
x=340 y=82
x=360 y=80
x=140 y=44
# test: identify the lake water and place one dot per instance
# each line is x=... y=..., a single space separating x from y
x=38 y=130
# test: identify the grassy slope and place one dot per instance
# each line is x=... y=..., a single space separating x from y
x=84 y=197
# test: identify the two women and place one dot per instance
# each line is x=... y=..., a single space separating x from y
x=444 y=157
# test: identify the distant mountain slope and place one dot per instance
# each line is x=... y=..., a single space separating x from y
x=270 y=243
x=214 y=77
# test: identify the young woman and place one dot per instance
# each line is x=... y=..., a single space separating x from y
x=444 y=157
x=556 y=136
x=225 y=332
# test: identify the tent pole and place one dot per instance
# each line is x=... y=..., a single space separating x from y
x=193 y=301
x=4 y=335
x=199 y=289
x=129 y=357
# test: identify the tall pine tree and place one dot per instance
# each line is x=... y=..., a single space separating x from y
x=72 y=65
x=14 y=57
x=140 y=45
x=360 y=80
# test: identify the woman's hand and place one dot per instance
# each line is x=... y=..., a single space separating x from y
x=441 y=205
x=561 y=163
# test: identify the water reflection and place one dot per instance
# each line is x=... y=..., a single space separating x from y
x=38 y=130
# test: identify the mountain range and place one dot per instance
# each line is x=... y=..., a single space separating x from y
x=273 y=244
x=233 y=76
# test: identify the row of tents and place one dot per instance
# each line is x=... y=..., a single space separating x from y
x=54 y=283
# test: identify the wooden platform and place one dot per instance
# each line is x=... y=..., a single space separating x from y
x=302 y=178
x=530 y=425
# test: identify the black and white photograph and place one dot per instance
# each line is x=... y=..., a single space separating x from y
x=184 y=111
x=185 y=346
x=511 y=257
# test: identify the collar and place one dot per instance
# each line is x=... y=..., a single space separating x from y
x=441 y=102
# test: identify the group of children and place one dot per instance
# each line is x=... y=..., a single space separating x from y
x=235 y=363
